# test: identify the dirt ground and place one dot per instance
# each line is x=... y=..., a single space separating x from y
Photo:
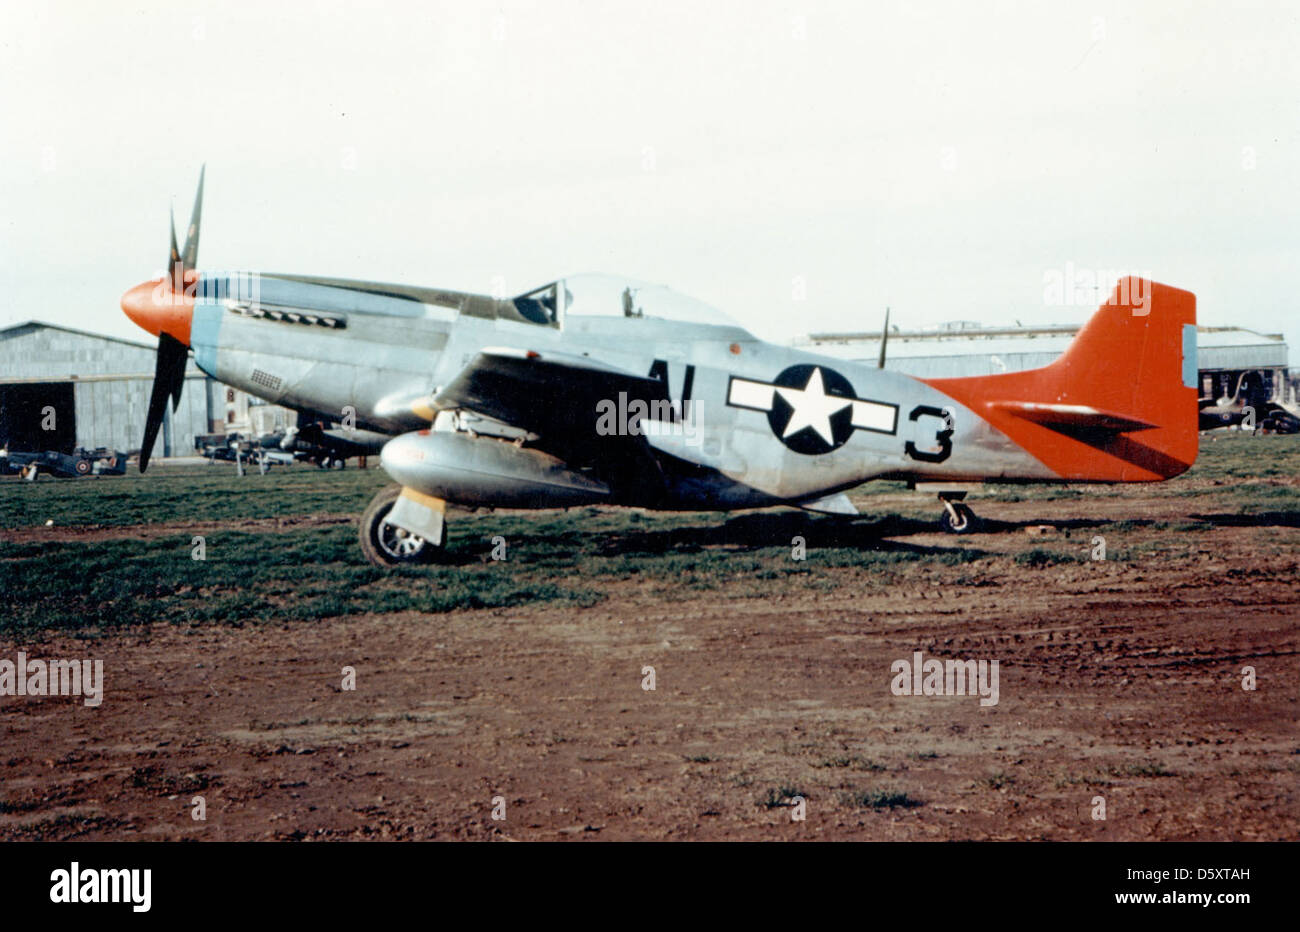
x=1117 y=680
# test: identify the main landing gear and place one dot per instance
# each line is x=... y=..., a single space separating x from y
x=386 y=544
x=957 y=517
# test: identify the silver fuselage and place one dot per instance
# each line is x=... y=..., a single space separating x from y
x=382 y=353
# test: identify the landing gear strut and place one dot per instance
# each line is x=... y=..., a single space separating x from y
x=386 y=544
x=957 y=517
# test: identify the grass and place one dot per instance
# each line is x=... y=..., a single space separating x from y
x=781 y=796
x=270 y=573
x=186 y=493
x=856 y=762
x=878 y=799
x=1232 y=454
x=276 y=574
x=1038 y=557
x=1144 y=769
x=301 y=575
x=310 y=573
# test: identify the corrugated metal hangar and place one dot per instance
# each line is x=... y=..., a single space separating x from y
x=1224 y=354
x=97 y=389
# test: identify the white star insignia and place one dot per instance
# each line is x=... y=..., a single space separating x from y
x=812 y=407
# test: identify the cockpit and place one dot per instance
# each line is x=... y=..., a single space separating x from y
x=543 y=306
x=612 y=296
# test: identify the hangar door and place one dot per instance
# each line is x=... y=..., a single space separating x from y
x=38 y=416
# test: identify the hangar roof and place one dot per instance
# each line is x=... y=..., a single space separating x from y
x=37 y=324
x=970 y=350
x=38 y=351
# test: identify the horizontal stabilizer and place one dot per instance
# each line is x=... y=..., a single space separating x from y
x=1071 y=417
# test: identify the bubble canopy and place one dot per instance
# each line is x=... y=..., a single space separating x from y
x=595 y=295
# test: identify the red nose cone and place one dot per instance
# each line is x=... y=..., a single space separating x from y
x=157 y=309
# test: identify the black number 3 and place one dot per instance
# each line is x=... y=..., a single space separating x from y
x=943 y=437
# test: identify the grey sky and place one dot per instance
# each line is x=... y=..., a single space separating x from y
x=936 y=157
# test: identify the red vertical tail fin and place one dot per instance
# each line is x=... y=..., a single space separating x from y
x=1119 y=405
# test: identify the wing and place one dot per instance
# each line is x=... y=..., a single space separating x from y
x=559 y=398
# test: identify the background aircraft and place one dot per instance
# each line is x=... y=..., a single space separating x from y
x=327 y=443
x=75 y=465
x=1249 y=406
x=600 y=390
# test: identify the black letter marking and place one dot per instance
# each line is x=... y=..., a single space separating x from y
x=659 y=372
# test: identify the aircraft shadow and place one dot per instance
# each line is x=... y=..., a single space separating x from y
x=743 y=533
x=997 y=526
x=1268 y=519
x=1263 y=519
x=757 y=531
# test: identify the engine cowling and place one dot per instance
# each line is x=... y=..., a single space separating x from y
x=487 y=472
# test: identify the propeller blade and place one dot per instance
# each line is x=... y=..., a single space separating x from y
x=178 y=375
x=191 y=252
x=174 y=261
x=157 y=404
x=168 y=379
x=884 y=340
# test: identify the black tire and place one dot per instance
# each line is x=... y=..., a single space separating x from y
x=384 y=545
x=966 y=522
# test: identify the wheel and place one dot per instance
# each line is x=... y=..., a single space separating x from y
x=82 y=467
x=339 y=464
x=386 y=544
x=964 y=521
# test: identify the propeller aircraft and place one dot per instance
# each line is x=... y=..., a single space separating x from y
x=594 y=389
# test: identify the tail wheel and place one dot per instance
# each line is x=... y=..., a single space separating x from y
x=386 y=544
x=957 y=518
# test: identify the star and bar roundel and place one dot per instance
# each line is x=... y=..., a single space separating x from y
x=812 y=409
